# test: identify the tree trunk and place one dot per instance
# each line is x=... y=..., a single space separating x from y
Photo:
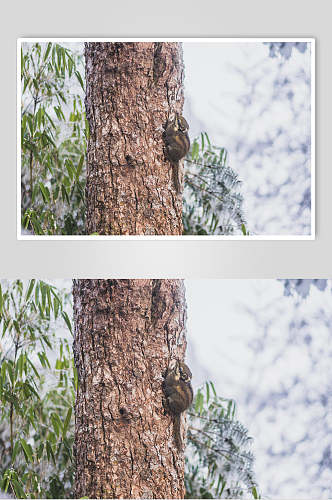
x=131 y=89
x=126 y=333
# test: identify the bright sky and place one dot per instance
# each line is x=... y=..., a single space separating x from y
x=212 y=88
x=277 y=375
x=257 y=107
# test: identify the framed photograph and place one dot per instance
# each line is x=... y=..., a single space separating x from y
x=159 y=388
x=166 y=138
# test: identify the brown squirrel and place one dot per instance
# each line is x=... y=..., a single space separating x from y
x=179 y=394
x=177 y=144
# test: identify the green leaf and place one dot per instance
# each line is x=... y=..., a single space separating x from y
x=59 y=54
x=20 y=364
x=19 y=492
x=3 y=371
x=40 y=451
x=37 y=288
x=79 y=167
x=15 y=450
x=199 y=402
x=26 y=82
x=17 y=326
x=43 y=294
x=33 y=368
x=70 y=64
x=56 y=193
x=38 y=117
x=34 y=193
x=207 y=138
x=47 y=341
x=207 y=392
x=59 y=113
x=30 y=289
x=27 y=450
x=213 y=388
x=22 y=61
x=47 y=51
x=10 y=371
x=49 y=452
x=41 y=359
x=195 y=151
x=75 y=379
x=64 y=194
x=50 y=120
x=56 y=305
x=49 y=139
x=49 y=300
x=67 y=422
x=30 y=124
x=23 y=125
x=70 y=169
x=67 y=320
x=56 y=422
x=62 y=97
x=30 y=390
x=79 y=78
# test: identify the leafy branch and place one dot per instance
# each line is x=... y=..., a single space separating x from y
x=212 y=201
x=53 y=133
x=36 y=396
x=219 y=463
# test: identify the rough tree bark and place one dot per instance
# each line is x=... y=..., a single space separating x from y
x=131 y=89
x=126 y=332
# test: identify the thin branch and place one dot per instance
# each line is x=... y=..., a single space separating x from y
x=205 y=190
x=212 y=167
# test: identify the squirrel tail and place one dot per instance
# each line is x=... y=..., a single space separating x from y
x=177 y=432
x=176 y=173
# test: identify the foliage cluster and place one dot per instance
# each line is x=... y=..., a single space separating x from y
x=219 y=463
x=54 y=133
x=302 y=287
x=284 y=49
x=37 y=391
x=212 y=201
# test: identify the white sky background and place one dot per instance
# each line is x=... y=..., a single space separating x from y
x=258 y=108
x=280 y=377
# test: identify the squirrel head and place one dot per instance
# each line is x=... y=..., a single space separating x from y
x=178 y=123
x=181 y=370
